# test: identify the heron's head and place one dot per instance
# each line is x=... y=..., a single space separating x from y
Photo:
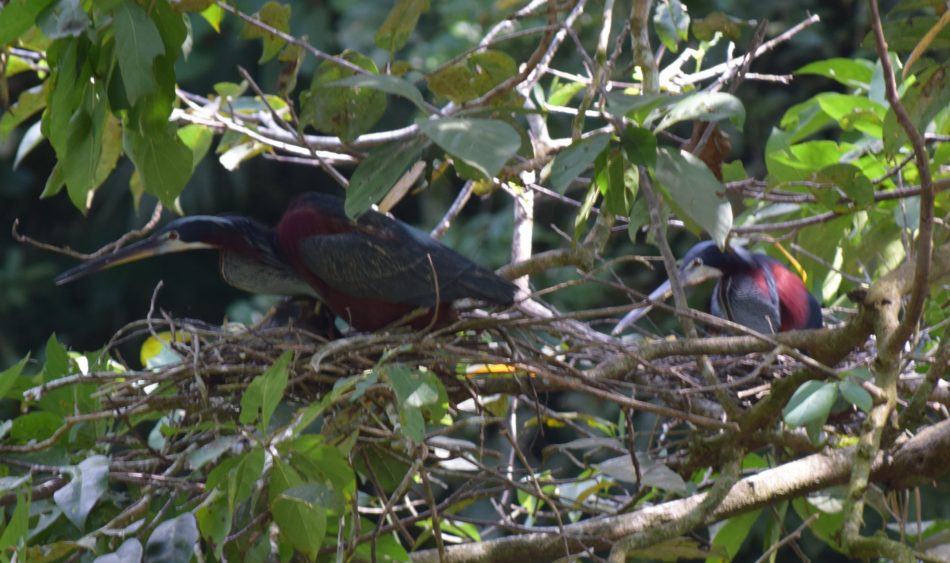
x=186 y=233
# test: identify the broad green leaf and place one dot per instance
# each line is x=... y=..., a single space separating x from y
x=484 y=144
x=215 y=521
x=19 y=523
x=572 y=161
x=853 y=112
x=640 y=146
x=475 y=76
x=856 y=395
x=35 y=426
x=402 y=18
x=85 y=148
x=65 y=18
x=705 y=106
x=173 y=540
x=162 y=160
x=17 y=16
x=416 y=391
x=671 y=23
x=730 y=536
x=384 y=83
x=639 y=108
x=842 y=181
x=212 y=451
x=197 y=138
x=346 y=112
x=378 y=172
x=9 y=376
x=810 y=403
x=130 y=551
x=694 y=193
x=57 y=360
x=798 y=162
x=320 y=462
x=617 y=181
x=300 y=518
x=89 y=482
x=265 y=392
x=213 y=14
x=138 y=43
x=388 y=469
x=277 y=16
x=27 y=104
x=799 y=121
x=853 y=73
x=562 y=95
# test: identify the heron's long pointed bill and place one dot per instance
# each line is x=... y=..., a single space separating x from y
x=691 y=276
x=132 y=253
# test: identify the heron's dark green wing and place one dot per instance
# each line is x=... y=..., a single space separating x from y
x=388 y=261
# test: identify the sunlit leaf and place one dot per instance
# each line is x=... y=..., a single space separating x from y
x=88 y=483
x=484 y=144
x=398 y=26
x=173 y=540
x=575 y=159
x=265 y=392
x=694 y=193
x=810 y=403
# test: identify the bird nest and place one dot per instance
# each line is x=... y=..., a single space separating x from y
x=438 y=429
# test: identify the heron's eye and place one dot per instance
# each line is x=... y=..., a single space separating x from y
x=696 y=262
x=172 y=235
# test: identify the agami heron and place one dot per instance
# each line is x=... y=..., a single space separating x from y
x=753 y=289
x=371 y=271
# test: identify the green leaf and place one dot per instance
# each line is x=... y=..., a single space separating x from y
x=346 y=112
x=384 y=83
x=130 y=550
x=798 y=162
x=321 y=462
x=215 y=521
x=29 y=102
x=853 y=73
x=402 y=19
x=562 y=95
x=416 y=391
x=17 y=16
x=19 y=523
x=617 y=181
x=857 y=395
x=572 y=161
x=810 y=403
x=842 y=181
x=198 y=138
x=277 y=16
x=705 y=106
x=853 y=112
x=138 y=42
x=265 y=392
x=694 y=193
x=378 y=172
x=730 y=536
x=35 y=426
x=640 y=146
x=639 y=108
x=162 y=160
x=300 y=518
x=80 y=163
x=173 y=540
x=57 y=360
x=9 y=376
x=89 y=482
x=65 y=18
x=671 y=23
x=475 y=76
x=484 y=144
x=213 y=14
